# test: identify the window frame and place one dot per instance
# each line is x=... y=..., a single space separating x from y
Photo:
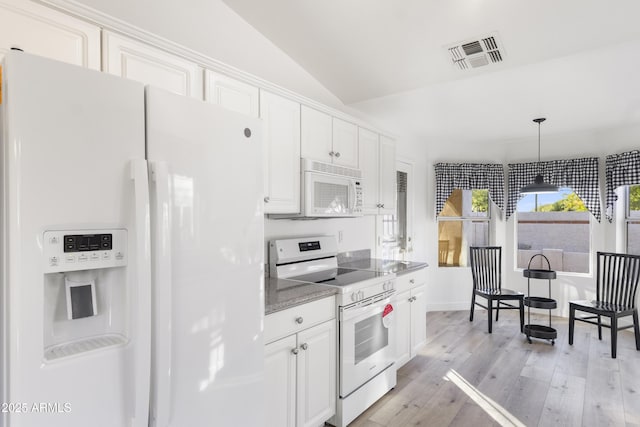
x=517 y=269
x=627 y=218
x=488 y=219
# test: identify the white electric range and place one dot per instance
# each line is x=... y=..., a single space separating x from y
x=366 y=328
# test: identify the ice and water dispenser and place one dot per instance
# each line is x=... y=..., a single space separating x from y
x=86 y=299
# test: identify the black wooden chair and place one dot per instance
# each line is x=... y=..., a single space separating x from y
x=616 y=286
x=486 y=271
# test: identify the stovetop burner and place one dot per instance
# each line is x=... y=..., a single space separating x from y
x=338 y=276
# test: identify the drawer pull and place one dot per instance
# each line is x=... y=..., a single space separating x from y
x=299 y=320
x=304 y=346
x=295 y=350
x=412 y=281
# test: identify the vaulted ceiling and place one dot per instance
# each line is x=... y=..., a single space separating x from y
x=574 y=61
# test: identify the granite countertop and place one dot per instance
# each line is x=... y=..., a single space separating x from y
x=281 y=294
x=384 y=265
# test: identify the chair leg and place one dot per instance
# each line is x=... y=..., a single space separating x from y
x=490 y=313
x=614 y=336
x=636 y=328
x=572 y=320
x=473 y=303
x=497 y=310
x=521 y=315
x=599 y=327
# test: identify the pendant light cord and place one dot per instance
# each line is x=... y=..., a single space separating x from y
x=539 y=168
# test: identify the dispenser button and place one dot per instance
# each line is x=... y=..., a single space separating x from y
x=83 y=258
x=106 y=255
x=95 y=257
x=54 y=240
x=70 y=258
x=119 y=255
x=53 y=261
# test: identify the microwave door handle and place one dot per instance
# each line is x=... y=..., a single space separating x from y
x=352 y=207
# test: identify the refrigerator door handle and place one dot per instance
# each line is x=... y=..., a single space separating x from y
x=143 y=295
x=161 y=406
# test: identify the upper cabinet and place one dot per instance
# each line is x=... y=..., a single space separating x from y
x=281 y=153
x=230 y=93
x=42 y=31
x=328 y=139
x=138 y=61
x=377 y=154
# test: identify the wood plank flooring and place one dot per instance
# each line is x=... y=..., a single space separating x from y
x=467 y=377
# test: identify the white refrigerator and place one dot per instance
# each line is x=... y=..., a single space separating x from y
x=131 y=288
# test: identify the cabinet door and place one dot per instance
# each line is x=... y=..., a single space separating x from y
x=42 y=31
x=230 y=93
x=402 y=310
x=387 y=178
x=345 y=143
x=138 y=61
x=317 y=374
x=280 y=382
x=317 y=134
x=368 y=161
x=281 y=153
x=418 y=319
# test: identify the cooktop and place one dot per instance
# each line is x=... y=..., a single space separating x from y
x=338 y=276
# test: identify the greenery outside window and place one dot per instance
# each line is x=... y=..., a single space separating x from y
x=632 y=219
x=556 y=225
x=463 y=222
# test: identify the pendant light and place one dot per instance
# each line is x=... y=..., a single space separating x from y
x=539 y=186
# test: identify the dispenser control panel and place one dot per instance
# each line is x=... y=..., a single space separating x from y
x=73 y=250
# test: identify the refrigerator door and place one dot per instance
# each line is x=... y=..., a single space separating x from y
x=207 y=217
x=73 y=169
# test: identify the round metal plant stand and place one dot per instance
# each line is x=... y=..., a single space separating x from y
x=545 y=303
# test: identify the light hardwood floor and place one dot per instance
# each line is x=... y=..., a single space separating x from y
x=464 y=373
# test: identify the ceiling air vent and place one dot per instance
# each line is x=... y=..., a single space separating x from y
x=476 y=53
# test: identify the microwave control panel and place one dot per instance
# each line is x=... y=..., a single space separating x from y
x=73 y=250
x=358 y=205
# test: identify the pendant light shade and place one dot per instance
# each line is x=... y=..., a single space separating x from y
x=539 y=186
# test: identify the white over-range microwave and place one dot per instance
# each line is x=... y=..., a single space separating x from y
x=328 y=191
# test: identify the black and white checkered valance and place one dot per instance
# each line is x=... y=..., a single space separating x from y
x=581 y=175
x=469 y=176
x=621 y=169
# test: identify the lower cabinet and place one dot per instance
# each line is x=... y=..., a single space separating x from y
x=411 y=328
x=300 y=377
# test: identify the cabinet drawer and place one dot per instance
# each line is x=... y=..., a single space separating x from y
x=411 y=280
x=292 y=320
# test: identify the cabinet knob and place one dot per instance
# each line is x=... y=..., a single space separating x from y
x=331 y=153
x=299 y=320
x=295 y=350
x=337 y=154
x=412 y=281
x=382 y=205
x=266 y=199
x=304 y=346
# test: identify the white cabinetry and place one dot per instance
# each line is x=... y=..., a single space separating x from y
x=42 y=31
x=377 y=154
x=301 y=366
x=410 y=307
x=129 y=58
x=281 y=153
x=231 y=93
x=328 y=139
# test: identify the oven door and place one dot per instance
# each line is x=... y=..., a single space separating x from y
x=329 y=195
x=366 y=342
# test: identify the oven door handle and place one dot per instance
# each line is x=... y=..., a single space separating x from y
x=357 y=311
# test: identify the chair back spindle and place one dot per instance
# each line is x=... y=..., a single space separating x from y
x=486 y=267
x=618 y=276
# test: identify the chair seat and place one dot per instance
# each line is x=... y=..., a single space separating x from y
x=602 y=306
x=508 y=293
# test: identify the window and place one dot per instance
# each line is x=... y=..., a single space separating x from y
x=556 y=225
x=396 y=228
x=463 y=222
x=632 y=217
